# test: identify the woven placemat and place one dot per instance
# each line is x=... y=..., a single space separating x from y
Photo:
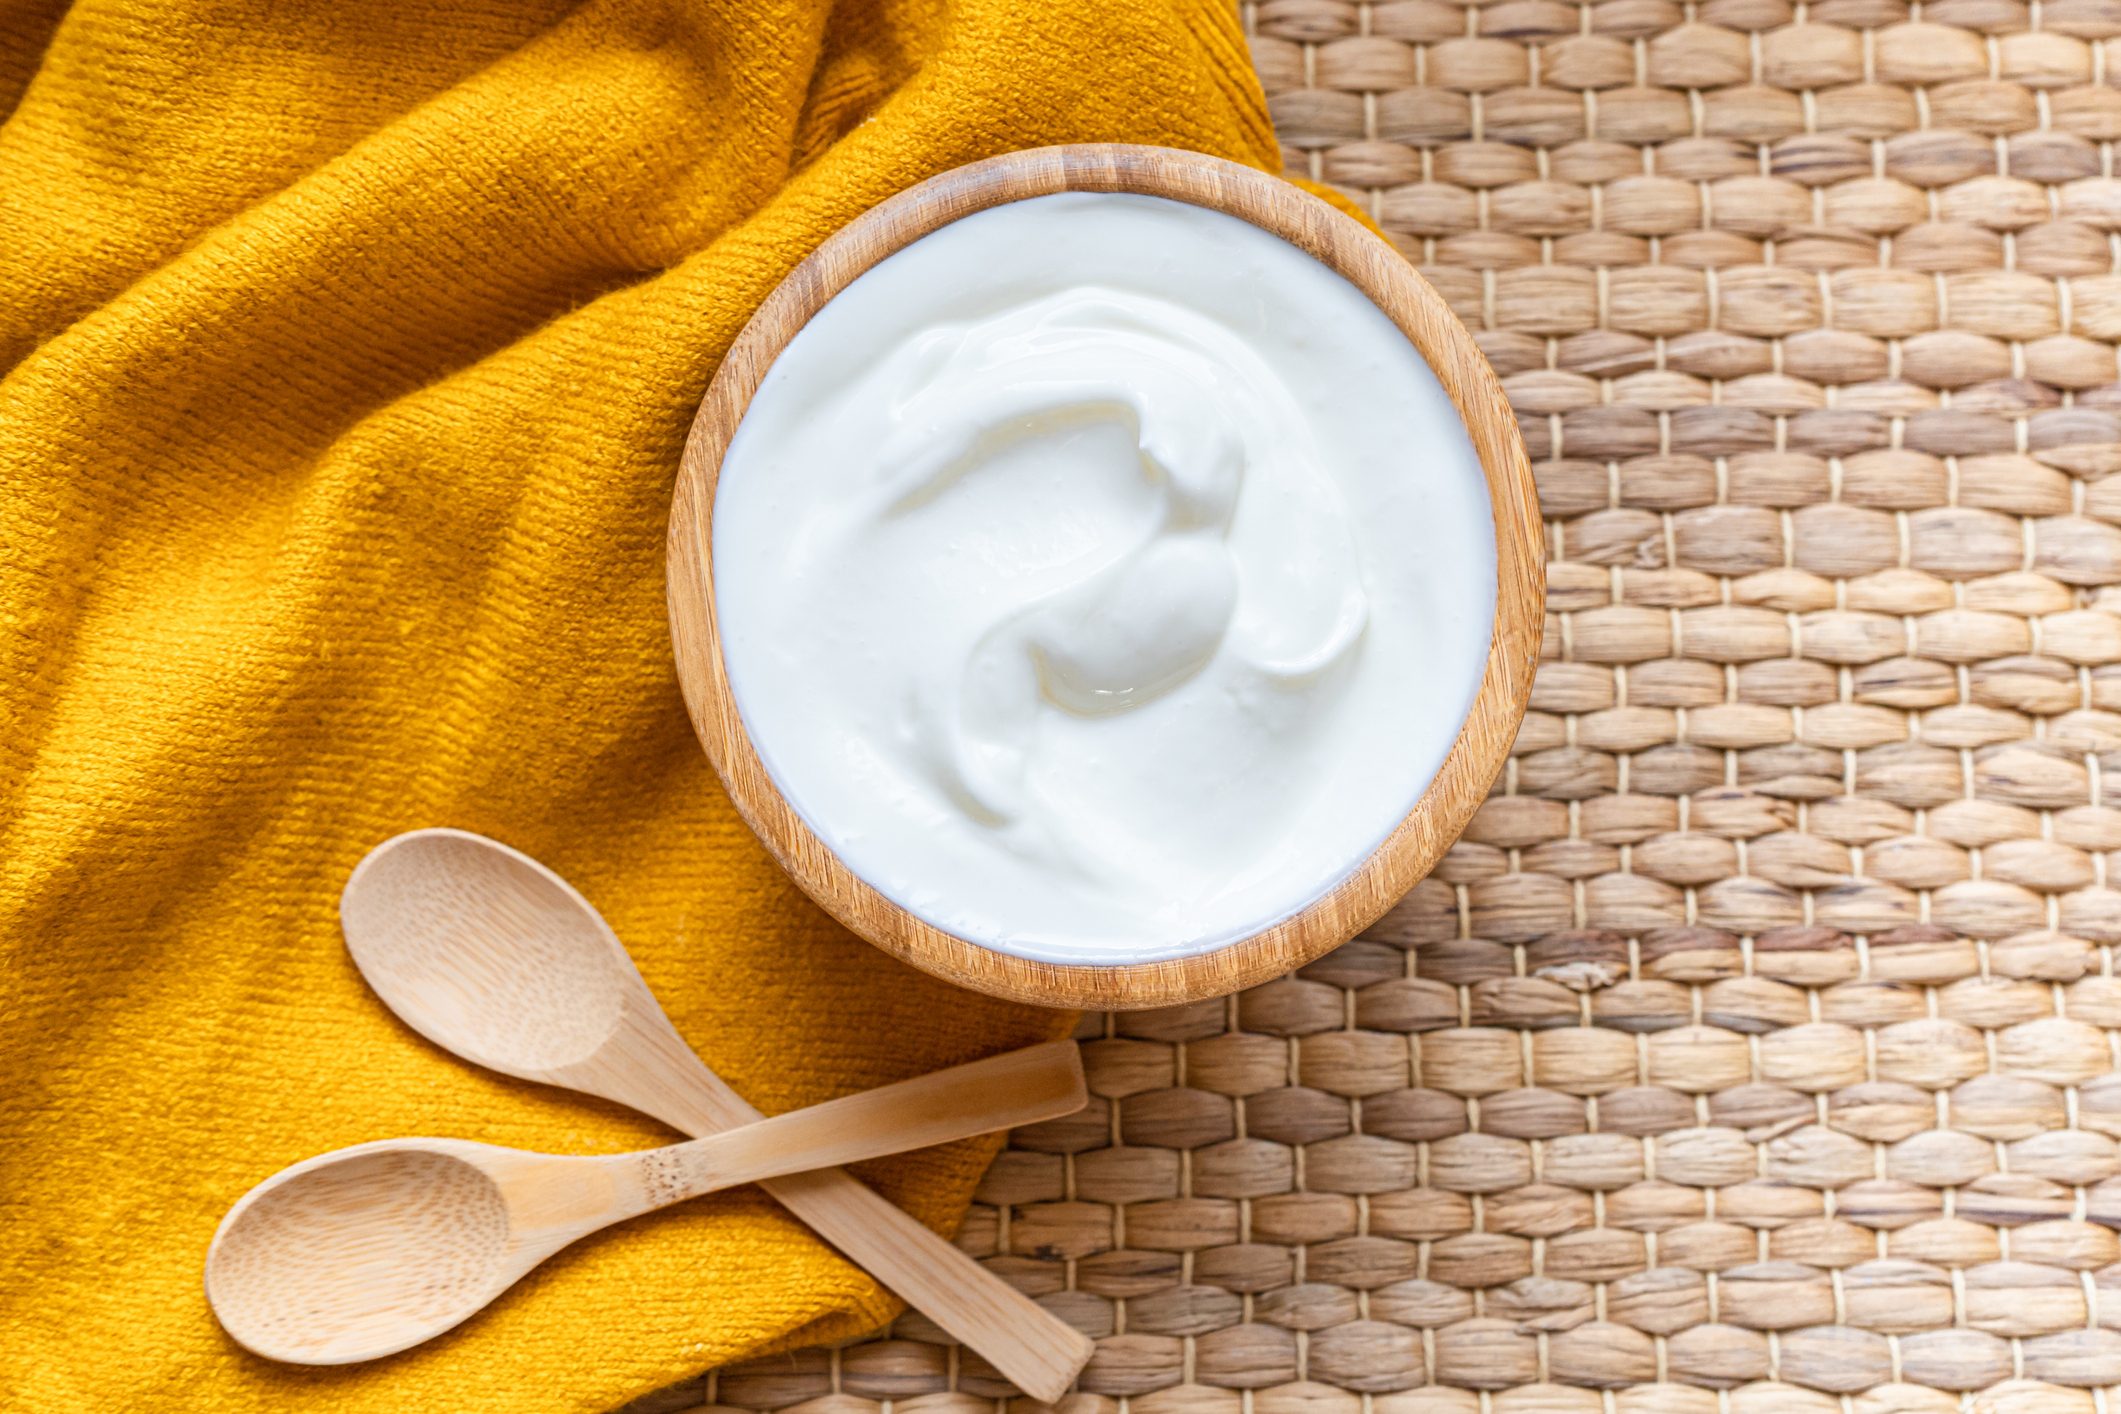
x=1755 y=1051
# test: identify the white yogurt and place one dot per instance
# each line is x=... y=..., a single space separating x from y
x=1102 y=577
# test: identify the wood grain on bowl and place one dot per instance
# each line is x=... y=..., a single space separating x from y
x=1343 y=245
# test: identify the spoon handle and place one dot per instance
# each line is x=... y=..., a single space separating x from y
x=1032 y=1348
x=1001 y=1092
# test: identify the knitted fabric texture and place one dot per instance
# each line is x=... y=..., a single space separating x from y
x=348 y=352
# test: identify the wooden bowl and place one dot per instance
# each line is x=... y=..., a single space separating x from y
x=1341 y=243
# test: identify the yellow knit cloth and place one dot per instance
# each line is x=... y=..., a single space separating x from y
x=349 y=346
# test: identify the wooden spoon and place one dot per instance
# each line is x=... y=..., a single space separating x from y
x=367 y=1250
x=489 y=954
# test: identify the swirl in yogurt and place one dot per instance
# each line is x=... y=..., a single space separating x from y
x=1101 y=577
x=1201 y=414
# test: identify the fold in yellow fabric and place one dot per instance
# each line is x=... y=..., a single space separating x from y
x=349 y=349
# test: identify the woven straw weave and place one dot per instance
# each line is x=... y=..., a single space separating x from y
x=1755 y=1051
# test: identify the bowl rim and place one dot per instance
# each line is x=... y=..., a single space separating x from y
x=1342 y=244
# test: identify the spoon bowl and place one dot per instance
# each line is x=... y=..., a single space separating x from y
x=551 y=1000
x=311 y=1268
